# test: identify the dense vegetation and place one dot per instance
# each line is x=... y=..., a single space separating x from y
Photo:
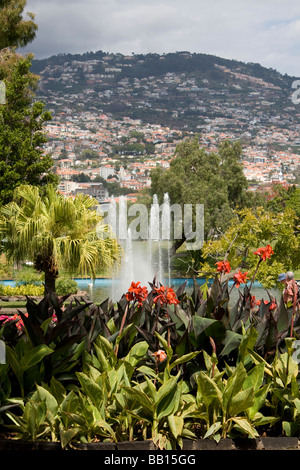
x=157 y=365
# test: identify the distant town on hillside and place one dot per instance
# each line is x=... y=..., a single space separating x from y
x=115 y=117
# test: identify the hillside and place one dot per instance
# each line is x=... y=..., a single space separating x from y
x=185 y=91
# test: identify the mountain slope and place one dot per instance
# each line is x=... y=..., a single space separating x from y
x=180 y=90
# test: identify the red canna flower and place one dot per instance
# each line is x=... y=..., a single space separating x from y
x=165 y=296
x=5 y=318
x=240 y=278
x=254 y=302
x=19 y=323
x=160 y=355
x=129 y=296
x=264 y=252
x=136 y=292
x=171 y=297
x=273 y=305
x=223 y=266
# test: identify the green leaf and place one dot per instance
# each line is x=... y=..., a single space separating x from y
x=68 y=406
x=93 y=391
x=247 y=342
x=245 y=426
x=34 y=356
x=147 y=371
x=103 y=362
x=232 y=341
x=241 y=402
x=152 y=389
x=213 y=429
x=210 y=327
x=166 y=397
x=13 y=361
x=136 y=353
x=50 y=401
x=123 y=333
x=289 y=428
x=57 y=390
x=259 y=401
x=257 y=359
x=208 y=390
x=100 y=423
x=282 y=316
x=234 y=385
x=141 y=399
x=66 y=435
x=184 y=359
x=165 y=346
x=255 y=377
x=261 y=420
x=176 y=425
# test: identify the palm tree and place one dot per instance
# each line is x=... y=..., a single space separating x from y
x=54 y=231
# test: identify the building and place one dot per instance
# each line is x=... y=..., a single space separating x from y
x=95 y=190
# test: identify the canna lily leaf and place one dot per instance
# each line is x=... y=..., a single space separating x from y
x=212 y=429
x=91 y=388
x=184 y=359
x=34 y=356
x=66 y=435
x=166 y=397
x=176 y=424
x=245 y=426
x=241 y=402
x=136 y=353
x=208 y=390
x=49 y=399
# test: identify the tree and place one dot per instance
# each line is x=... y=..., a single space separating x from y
x=22 y=137
x=15 y=31
x=281 y=196
x=81 y=178
x=214 y=179
x=249 y=230
x=54 y=231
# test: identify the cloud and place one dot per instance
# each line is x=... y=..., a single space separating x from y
x=263 y=31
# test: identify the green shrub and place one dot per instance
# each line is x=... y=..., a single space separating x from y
x=66 y=286
x=27 y=277
x=28 y=289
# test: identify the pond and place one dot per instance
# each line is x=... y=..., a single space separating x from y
x=101 y=289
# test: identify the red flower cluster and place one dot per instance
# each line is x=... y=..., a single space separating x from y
x=266 y=302
x=264 y=252
x=240 y=278
x=136 y=292
x=165 y=296
x=19 y=323
x=223 y=266
x=253 y=301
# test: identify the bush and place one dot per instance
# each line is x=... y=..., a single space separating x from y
x=6 y=271
x=66 y=286
x=28 y=278
x=26 y=289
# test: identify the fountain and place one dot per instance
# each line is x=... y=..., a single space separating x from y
x=143 y=259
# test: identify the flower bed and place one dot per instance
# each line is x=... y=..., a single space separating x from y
x=159 y=367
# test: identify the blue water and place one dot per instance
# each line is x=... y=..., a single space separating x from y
x=102 y=288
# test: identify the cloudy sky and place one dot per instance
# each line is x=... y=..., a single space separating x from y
x=263 y=31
